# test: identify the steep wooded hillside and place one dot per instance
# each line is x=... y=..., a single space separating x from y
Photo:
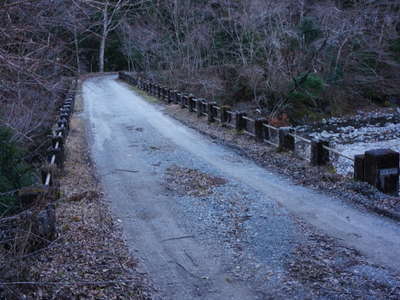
x=306 y=58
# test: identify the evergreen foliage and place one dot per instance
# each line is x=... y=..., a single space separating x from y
x=14 y=172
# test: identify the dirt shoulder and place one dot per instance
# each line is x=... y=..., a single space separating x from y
x=89 y=259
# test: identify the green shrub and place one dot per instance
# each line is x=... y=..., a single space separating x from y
x=308 y=87
x=305 y=99
x=14 y=172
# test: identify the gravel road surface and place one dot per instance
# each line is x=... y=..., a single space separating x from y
x=206 y=222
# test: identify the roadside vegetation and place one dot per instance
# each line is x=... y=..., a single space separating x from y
x=308 y=59
x=14 y=172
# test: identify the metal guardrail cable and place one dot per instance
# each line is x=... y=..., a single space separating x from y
x=300 y=138
x=247 y=118
x=271 y=143
x=48 y=178
x=294 y=135
x=338 y=153
x=271 y=127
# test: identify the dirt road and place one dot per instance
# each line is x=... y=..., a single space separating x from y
x=206 y=222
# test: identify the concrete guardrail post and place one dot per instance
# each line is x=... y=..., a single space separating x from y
x=286 y=141
x=210 y=111
x=224 y=114
x=64 y=122
x=359 y=167
x=185 y=100
x=192 y=103
x=162 y=96
x=319 y=155
x=381 y=169
x=199 y=108
x=259 y=129
x=178 y=98
x=59 y=154
x=240 y=123
x=158 y=91
x=44 y=171
x=266 y=132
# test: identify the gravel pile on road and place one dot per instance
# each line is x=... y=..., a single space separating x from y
x=191 y=182
x=293 y=166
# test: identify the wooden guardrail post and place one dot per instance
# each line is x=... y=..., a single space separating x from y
x=359 y=167
x=240 y=123
x=286 y=141
x=381 y=169
x=192 y=103
x=224 y=114
x=174 y=95
x=199 y=108
x=319 y=155
x=210 y=112
x=178 y=98
x=266 y=131
x=185 y=100
x=47 y=170
x=59 y=154
x=63 y=122
x=259 y=129
x=164 y=96
x=158 y=91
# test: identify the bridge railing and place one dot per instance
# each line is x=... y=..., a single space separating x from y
x=54 y=155
x=377 y=167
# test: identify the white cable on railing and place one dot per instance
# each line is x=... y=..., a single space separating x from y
x=300 y=138
x=247 y=118
x=270 y=126
x=47 y=181
x=271 y=143
x=53 y=159
x=338 y=153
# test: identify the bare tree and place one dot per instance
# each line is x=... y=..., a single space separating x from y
x=106 y=17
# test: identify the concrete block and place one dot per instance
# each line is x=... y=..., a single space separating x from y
x=319 y=155
x=382 y=170
x=240 y=123
x=359 y=167
x=210 y=112
x=286 y=141
x=259 y=129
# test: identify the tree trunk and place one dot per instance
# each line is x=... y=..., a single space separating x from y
x=101 y=53
x=76 y=43
x=103 y=38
